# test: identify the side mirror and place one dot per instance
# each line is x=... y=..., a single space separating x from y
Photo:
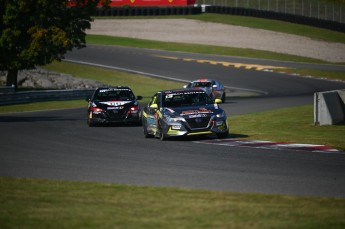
x=218 y=101
x=154 y=106
x=87 y=99
x=139 y=97
x=214 y=85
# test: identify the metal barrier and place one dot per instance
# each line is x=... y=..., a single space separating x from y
x=11 y=98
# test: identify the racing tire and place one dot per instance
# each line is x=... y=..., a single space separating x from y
x=90 y=123
x=146 y=134
x=162 y=137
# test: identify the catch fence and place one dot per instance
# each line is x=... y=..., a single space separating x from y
x=323 y=10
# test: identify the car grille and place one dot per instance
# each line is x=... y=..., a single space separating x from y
x=198 y=123
x=116 y=114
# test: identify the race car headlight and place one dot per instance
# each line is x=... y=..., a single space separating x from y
x=221 y=115
x=176 y=119
x=219 y=123
x=176 y=127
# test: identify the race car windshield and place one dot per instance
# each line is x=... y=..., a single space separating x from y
x=187 y=99
x=109 y=95
x=202 y=84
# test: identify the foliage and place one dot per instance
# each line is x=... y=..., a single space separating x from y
x=37 y=32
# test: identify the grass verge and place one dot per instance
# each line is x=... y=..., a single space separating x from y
x=293 y=125
x=33 y=203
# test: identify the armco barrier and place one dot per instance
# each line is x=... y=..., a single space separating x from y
x=44 y=95
x=329 y=107
x=325 y=24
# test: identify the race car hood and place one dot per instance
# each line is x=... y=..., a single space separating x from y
x=114 y=103
x=193 y=110
x=208 y=90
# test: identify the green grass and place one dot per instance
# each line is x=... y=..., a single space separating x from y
x=294 y=125
x=141 y=85
x=33 y=203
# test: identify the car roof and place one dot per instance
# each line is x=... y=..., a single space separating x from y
x=203 y=80
x=182 y=90
x=115 y=87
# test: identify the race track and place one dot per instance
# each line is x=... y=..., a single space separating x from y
x=59 y=145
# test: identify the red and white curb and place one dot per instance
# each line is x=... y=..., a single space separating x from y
x=270 y=145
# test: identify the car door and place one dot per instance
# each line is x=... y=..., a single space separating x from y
x=150 y=115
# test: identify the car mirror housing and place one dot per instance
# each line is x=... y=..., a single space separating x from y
x=218 y=101
x=139 y=97
x=154 y=106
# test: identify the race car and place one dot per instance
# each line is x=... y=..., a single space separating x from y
x=213 y=88
x=113 y=105
x=183 y=112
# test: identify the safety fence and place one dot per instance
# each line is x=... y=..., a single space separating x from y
x=320 y=9
x=325 y=24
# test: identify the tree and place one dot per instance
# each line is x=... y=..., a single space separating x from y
x=37 y=32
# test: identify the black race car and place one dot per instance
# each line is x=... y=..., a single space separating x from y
x=112 y=105
x=183 y=112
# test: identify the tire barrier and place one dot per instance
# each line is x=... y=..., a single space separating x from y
x=315 y=22
x=147 y=11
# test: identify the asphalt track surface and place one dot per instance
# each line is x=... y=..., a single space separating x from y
x=59 y=145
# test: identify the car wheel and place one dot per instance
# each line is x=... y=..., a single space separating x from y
x=162 y=136
x=89 y=121
x=146 y=134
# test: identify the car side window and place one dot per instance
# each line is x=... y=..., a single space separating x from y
x=158 y=100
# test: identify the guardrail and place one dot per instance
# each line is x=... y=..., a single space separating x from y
x=7 y=89
x=44 y=95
